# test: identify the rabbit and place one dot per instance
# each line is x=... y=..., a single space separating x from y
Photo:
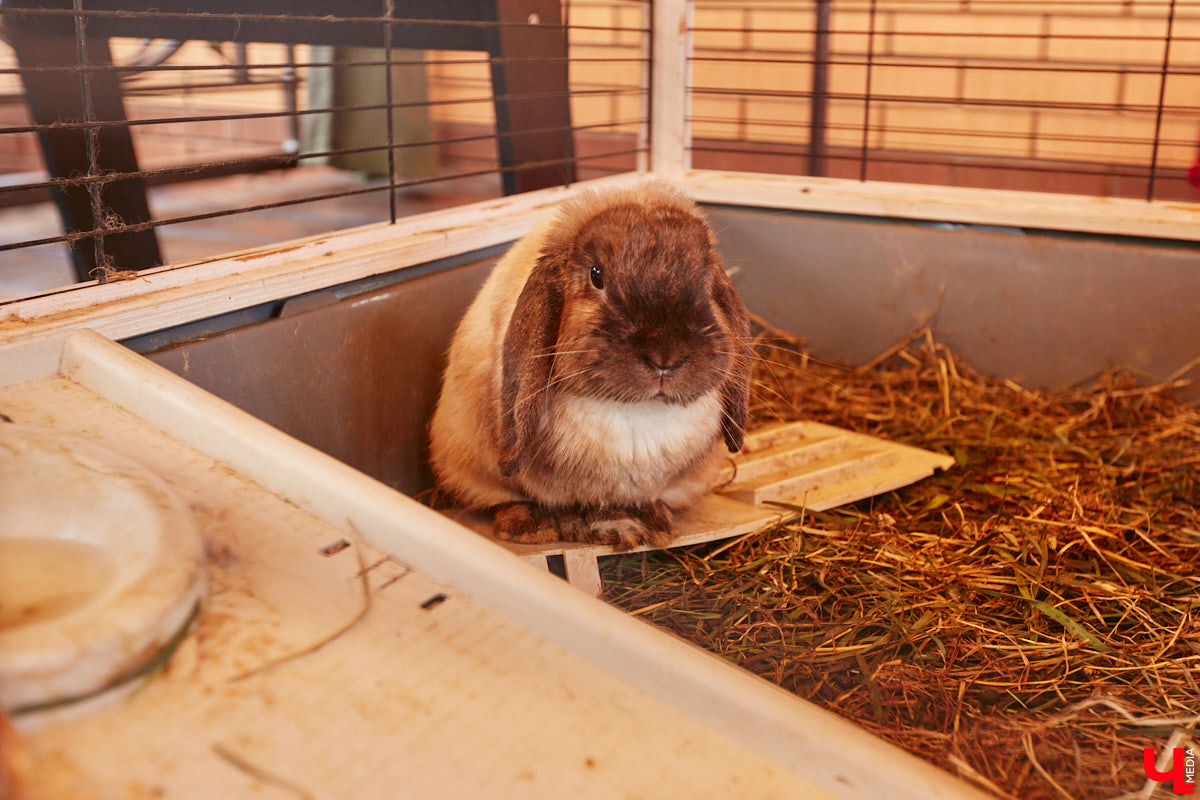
x=597 y=376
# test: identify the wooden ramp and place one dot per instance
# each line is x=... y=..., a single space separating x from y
x=782 y=468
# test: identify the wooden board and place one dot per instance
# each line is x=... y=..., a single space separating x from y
x=1111 y=216
x=427 y=691
x=783 y=468
x=814 y=466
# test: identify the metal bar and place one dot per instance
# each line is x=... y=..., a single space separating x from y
x=936 y=34
x=959 y=63
x=100 y=269
x=966 y=134
x=1061 y=167
x=284 y=159
x=149 y=225
x=286 y=65
x=389 y=12
x=221 y=15
x=866 y=126
x=966 y=102
x=820 y=89
x=291 y=87
x=65 y=126
x=1162 y=93
x=1007 y=8
x=429 y=24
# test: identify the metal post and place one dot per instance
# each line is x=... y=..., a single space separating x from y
x=820 y=90
x=1162 y=94
x=866 y=129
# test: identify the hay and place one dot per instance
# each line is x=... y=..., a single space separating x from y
x=1026 y=620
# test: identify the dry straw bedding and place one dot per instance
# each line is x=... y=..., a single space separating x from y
x=1027 y=619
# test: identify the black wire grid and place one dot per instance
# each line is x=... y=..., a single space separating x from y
x=615 y=143
x=840 y=125
x=826 y=60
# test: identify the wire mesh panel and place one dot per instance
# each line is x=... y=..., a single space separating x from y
x=133 y=135
x=607 y=43
x=1097 y=98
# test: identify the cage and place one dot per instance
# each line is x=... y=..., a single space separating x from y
x=1007 y=180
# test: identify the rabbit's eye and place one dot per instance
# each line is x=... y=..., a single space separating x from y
x=597 y=277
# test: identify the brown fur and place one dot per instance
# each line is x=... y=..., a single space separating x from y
x=657 y=359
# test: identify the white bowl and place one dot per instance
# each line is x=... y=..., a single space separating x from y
x=101 y=569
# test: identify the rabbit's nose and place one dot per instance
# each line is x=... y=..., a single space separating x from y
x=664 y=361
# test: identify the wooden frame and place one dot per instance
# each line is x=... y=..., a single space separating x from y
x=181 y=293
x=669 y=73
x=1112 y=216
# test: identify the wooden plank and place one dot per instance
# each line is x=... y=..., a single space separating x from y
x=1038 y=210
x=426 y=690
x=771 y=435
x=174 y=295
x=582 y=571
x=792 y=483
x=908 y=466
x=786 y=456
x=645 y=100
x=669 y=97
x=861 y=467
x=538 y=560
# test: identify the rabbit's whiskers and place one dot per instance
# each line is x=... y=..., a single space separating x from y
x=554 y=352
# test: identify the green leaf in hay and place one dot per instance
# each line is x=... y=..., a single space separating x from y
x=698 y=614
x=1070 y=624
x=937 y=501
x=1054 y=614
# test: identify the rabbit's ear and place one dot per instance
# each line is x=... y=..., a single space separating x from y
x=528 y=361
x=735 y=389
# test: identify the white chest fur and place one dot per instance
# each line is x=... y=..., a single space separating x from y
x=629 y=452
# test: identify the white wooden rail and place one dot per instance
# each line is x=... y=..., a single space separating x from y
x=670 y=154
x=182 y=293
